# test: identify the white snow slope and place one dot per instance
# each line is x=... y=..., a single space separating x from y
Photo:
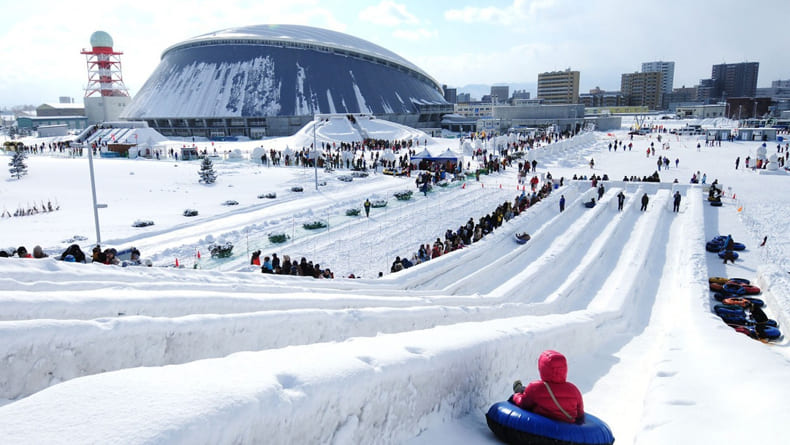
x=225 y=354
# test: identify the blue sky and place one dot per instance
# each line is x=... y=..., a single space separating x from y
x=457 y=42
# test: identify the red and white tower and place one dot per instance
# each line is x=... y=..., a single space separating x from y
x=105 y=95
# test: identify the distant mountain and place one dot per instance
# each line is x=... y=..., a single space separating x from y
x=478 y=90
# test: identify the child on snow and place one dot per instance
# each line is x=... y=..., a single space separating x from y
x=551 y=396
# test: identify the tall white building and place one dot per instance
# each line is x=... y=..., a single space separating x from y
x=667 y=69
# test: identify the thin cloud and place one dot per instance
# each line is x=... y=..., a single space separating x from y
x=415 y=34
x=388 y=13
x=519 y=11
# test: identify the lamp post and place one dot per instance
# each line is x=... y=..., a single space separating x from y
x=96 y=206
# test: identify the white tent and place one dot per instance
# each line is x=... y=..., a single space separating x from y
x=449 y=154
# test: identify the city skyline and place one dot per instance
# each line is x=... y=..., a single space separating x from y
x=503 y=42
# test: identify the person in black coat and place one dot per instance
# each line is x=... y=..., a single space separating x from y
x=645 y=200
x=759 y=318
x=620 y=200
x=676 y=202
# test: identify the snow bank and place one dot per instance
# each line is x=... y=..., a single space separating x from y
x=301 y=394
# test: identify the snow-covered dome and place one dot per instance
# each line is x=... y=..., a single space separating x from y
x=258 y=78
x=101 y=39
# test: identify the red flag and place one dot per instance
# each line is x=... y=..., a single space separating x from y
x=198 y=254
x=176 y=262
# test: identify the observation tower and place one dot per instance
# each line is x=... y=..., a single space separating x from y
x=105 y=95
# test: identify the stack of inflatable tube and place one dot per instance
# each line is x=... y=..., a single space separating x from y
x=732 y=293
x=521 y=427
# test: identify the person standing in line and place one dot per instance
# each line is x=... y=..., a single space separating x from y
x=562 y=203
x=620 y=200
x=676 y=202
x=645 y=200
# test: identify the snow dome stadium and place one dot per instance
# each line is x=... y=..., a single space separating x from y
x=270 y=80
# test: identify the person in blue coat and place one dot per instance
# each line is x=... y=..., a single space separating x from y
x=562 y=203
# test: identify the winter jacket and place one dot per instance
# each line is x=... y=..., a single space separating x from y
x=553 y=370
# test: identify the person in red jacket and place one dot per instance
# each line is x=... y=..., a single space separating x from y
x=551 y=396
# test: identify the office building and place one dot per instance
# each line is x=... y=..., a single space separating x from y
x=667 y=70
x=642 y=89
x=734 y=80
x=559 y=87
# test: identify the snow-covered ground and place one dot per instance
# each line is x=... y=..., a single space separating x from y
x=225 y=354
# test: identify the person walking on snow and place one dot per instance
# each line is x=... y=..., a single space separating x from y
x=676 y=202
x=737 y=161
x=367 y=208
x=620 y=200
x=562 y=203
x=645 y=200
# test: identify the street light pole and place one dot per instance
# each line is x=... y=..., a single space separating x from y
x=93 y=192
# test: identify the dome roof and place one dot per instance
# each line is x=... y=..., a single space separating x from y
x=101 y=39
x=301 y=36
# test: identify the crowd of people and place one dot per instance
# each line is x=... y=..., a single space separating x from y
x=21 y=252
x=303 y=268
x=74 y=254
x=472 y=231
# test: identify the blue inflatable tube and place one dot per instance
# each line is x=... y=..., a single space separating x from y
x=733 y=289
x=518 y=426
x=714 y=246
x=721 y=254
x=769 y=333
